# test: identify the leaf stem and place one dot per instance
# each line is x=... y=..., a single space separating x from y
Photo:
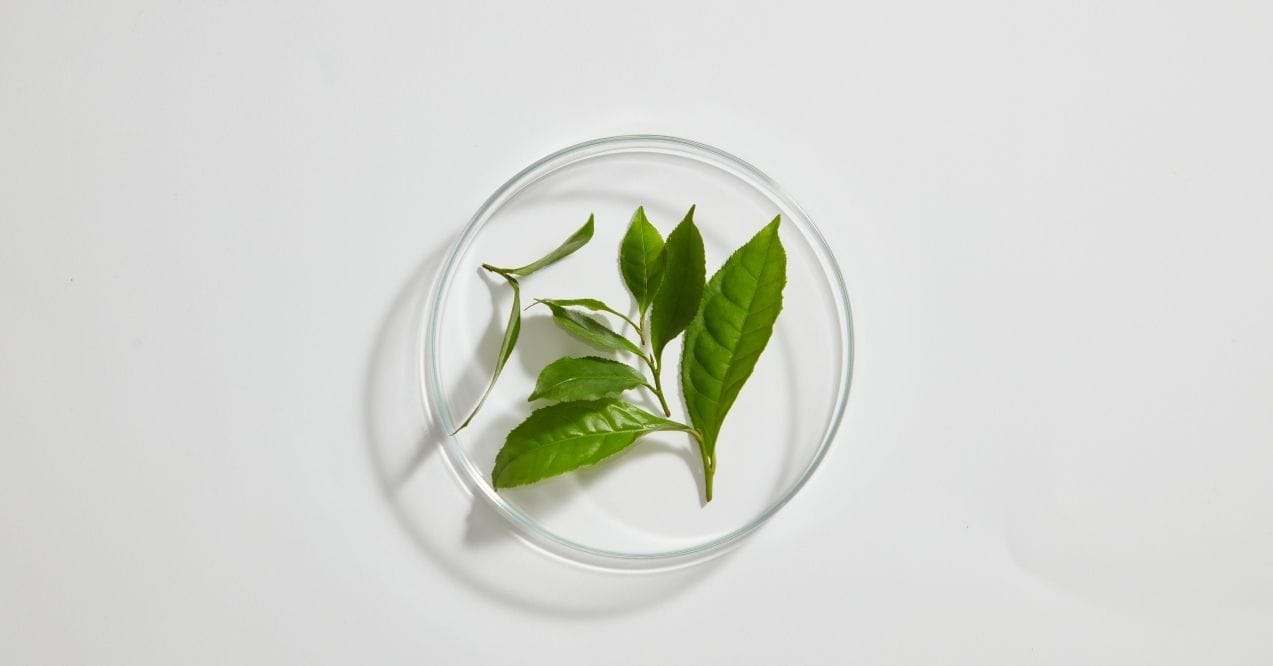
x=633 y=325
x=658 y=391
x=604 y=307
x=640 y=331
x=655 y=366
x=501 y=271
x=709 y=463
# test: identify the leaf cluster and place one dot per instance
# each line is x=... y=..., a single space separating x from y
x=727 y=322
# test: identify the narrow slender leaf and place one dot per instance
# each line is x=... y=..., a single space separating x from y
x=576 y=241
x=569 y=435
x=591 y=330
x=511 y=332
x=681 y=288
x=585 y=378
x=587 y=304
x=641 y=260
x=722 y=344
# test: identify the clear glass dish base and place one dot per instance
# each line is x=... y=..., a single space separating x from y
x=642 y=508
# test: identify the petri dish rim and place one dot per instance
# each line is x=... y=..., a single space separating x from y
x=432 y=392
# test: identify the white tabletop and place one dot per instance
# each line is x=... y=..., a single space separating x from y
x=1055 y=221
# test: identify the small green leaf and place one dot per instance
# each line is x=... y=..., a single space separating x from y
x=587 y=304
x=576 y=241
x=511 y=332
x=641 y=260
x=681 y=288
x=569 y=435
x=585 y=378
x=722 y=344
x=591 y=330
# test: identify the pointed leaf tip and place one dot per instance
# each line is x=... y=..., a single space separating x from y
x=576 y=240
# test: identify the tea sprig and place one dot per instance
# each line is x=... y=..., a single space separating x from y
x=727 y=323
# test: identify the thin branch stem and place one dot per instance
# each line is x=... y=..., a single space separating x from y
x=709 y=463
x=658 y=391
x=640 y=333
x=500 y=271
x=655 y=367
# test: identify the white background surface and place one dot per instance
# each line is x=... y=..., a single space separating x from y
x=1055 y=220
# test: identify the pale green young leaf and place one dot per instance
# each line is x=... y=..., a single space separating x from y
x=588 y=304
x=576 y=241
x=511 y=331
x=591 y=330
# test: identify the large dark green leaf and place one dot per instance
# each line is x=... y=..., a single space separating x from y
x=681 y=289
x=591 y=330
x=511 y=332
x=585 y=378
x=722 y=344
x=641 y=260
x=576 y=241
x=569 y=435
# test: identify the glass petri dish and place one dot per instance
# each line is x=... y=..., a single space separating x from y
x=643 y=508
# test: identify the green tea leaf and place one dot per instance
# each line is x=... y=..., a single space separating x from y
x=641 y=260
x=587 y=304
x=591 y=330
x=585 y=378
x=569 y=435
x=722 y=344
x=511 y=332
x=576 y=241
x=681 y=288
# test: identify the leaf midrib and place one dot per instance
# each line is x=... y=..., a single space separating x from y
x=572 y=438
x=590 y=377
x=645 y=266
x=730 y=383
